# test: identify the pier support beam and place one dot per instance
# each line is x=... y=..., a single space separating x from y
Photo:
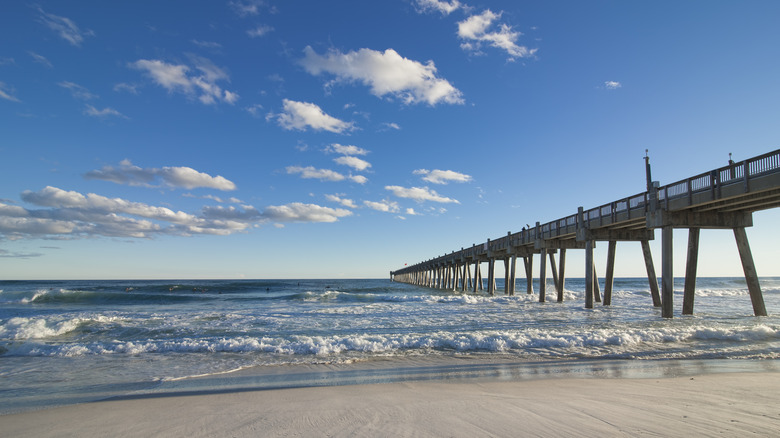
x=589 y=274
x=751 y=276
x=608 y=281
x=554 y=269
x=506 y=276
x=652 y=278
x=542 y=277
x=667 y=272
x=529 y=276
x=561 y=274
x=690 y=271
x=477 y=276
x=512 y=276
x=491 y=276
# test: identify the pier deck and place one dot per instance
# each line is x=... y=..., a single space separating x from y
x=723 y=198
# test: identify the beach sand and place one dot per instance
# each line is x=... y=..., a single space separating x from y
x=722 y=404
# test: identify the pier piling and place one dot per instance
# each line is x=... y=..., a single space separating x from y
x=723 y=198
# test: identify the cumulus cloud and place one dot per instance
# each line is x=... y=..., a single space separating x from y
x=64 y=27
x=199 y=80
x=419 y=194
x=437 y=176
x=299 y=212
x=73 y=215
x=303 y=115
x=7 y=93
x=353 y=162
x=360 y=179
x=345 y=149
x=174 y=177
x=612 y=85
x=231 y=200
x=477 y=30
x=385 y=206
x=444 y=7
x=343 y=201
x=311 y=172
x=386 y=73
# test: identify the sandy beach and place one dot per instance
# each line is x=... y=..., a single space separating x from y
x=722 y=404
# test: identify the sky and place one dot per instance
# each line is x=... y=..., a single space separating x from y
x=346 y=139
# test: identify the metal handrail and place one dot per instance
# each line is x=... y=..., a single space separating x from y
x=731 y=174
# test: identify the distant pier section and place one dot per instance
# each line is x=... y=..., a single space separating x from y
x=723 y=198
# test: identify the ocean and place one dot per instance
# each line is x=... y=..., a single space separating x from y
x=66 y=342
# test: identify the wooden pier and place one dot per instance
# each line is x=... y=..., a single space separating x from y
x=723 y=198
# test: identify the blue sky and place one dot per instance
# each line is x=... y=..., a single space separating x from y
x=292 y=139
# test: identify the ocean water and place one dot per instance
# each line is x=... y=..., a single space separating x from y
x=65 y=342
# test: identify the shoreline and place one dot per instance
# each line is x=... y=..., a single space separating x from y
x=451 y=369
x=719 y=403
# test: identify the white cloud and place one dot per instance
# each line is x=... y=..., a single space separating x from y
x=360 y=179
x=299 y=212
x=246 y=7
x=343 y=201
x=254 y=109
x=442 y=176
x=72 y=215
x=385 y=206
x=353 y=162
x=445 y=7
x=310 y=172
x=345 y=149
x=245 y=214
x=300 y=115
x=77 y=91
x=411 y=212
x=105 y=112
x=64 y=27
x=189 y=178
x=386 y=73
x=177 y=78
x=40 y=59
x=391 y=125
x=259 y=31
x=231 y=200
x=476 y=31
x=419 y=194
x=174 y=177
x=612 y=85
x=123 y=86
x=6 y=93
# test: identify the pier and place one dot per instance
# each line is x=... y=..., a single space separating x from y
x=723 y=198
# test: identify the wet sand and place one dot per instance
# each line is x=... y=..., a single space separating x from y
x=719 y=404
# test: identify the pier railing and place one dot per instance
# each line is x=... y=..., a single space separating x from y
x=731 y=181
